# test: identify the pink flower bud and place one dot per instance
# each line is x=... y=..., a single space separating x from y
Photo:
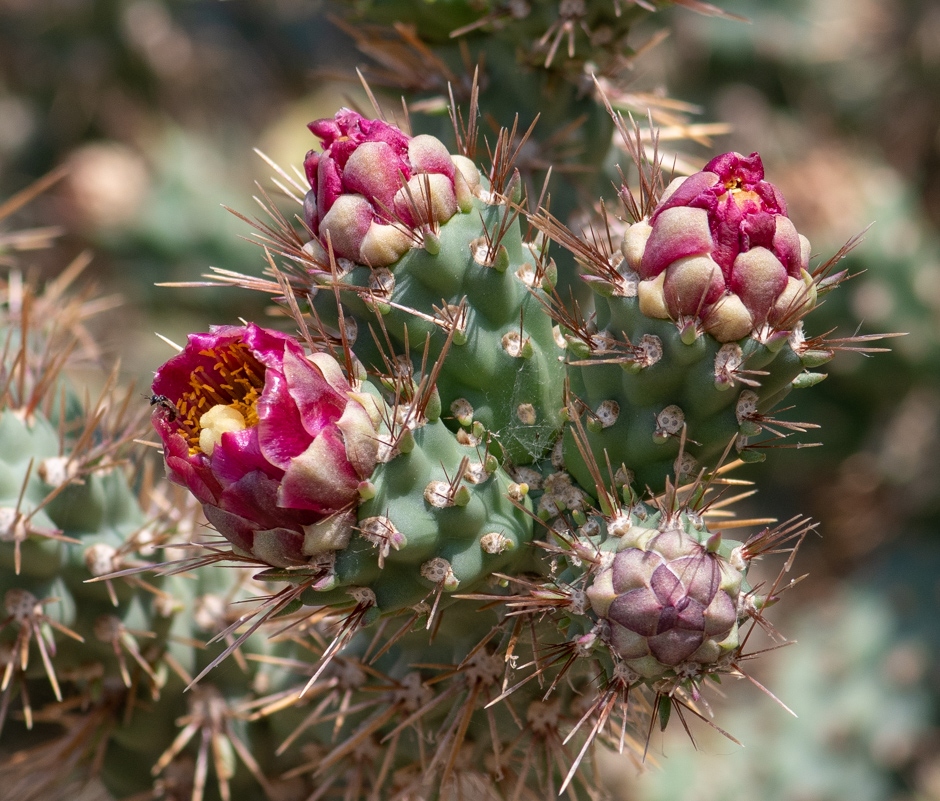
x=271 y=441
x=372 y=183
x=726 y=246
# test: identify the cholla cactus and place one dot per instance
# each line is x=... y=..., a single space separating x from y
x=549 y=582
x=478 y=520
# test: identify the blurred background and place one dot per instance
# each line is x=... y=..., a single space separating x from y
x=155 y=106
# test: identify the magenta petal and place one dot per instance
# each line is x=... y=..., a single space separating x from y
x=329 y=185
x=200 y=482
x=381 y=131
x=697 y=190
x=727 y=244
x=749 y=170
x=322 y=478
x=188 y=470
x=317 y=402
x=281 y=433
x=255 y=497
x=311 y=214
x=280 y=547
x=637 y=610
x=238 y=453
x=237 y=530
x=326 y=130
x=266 y=346
x=675 y=645
x=757 y=230
x=173 y=378
x=310 y=167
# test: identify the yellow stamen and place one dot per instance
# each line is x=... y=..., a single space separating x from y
x=234 y=383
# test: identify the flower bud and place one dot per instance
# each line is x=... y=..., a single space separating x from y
x=727 y=249
x=668 y=600
x=372 y=183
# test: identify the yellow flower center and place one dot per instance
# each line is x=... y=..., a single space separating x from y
x=223 y=400
x=735 y=187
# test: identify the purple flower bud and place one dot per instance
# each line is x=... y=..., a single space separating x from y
x=720 y=248
x=668 y=602
x=372 y=183
x=271 y=441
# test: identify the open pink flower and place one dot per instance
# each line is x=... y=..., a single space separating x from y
x=372 y=183
x=721 y=248
x=271 y=441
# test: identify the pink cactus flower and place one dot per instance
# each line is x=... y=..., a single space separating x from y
x=720 y=248
x=273 y=442
x=372 y=185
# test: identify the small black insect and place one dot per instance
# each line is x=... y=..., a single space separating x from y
x=166 y=405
